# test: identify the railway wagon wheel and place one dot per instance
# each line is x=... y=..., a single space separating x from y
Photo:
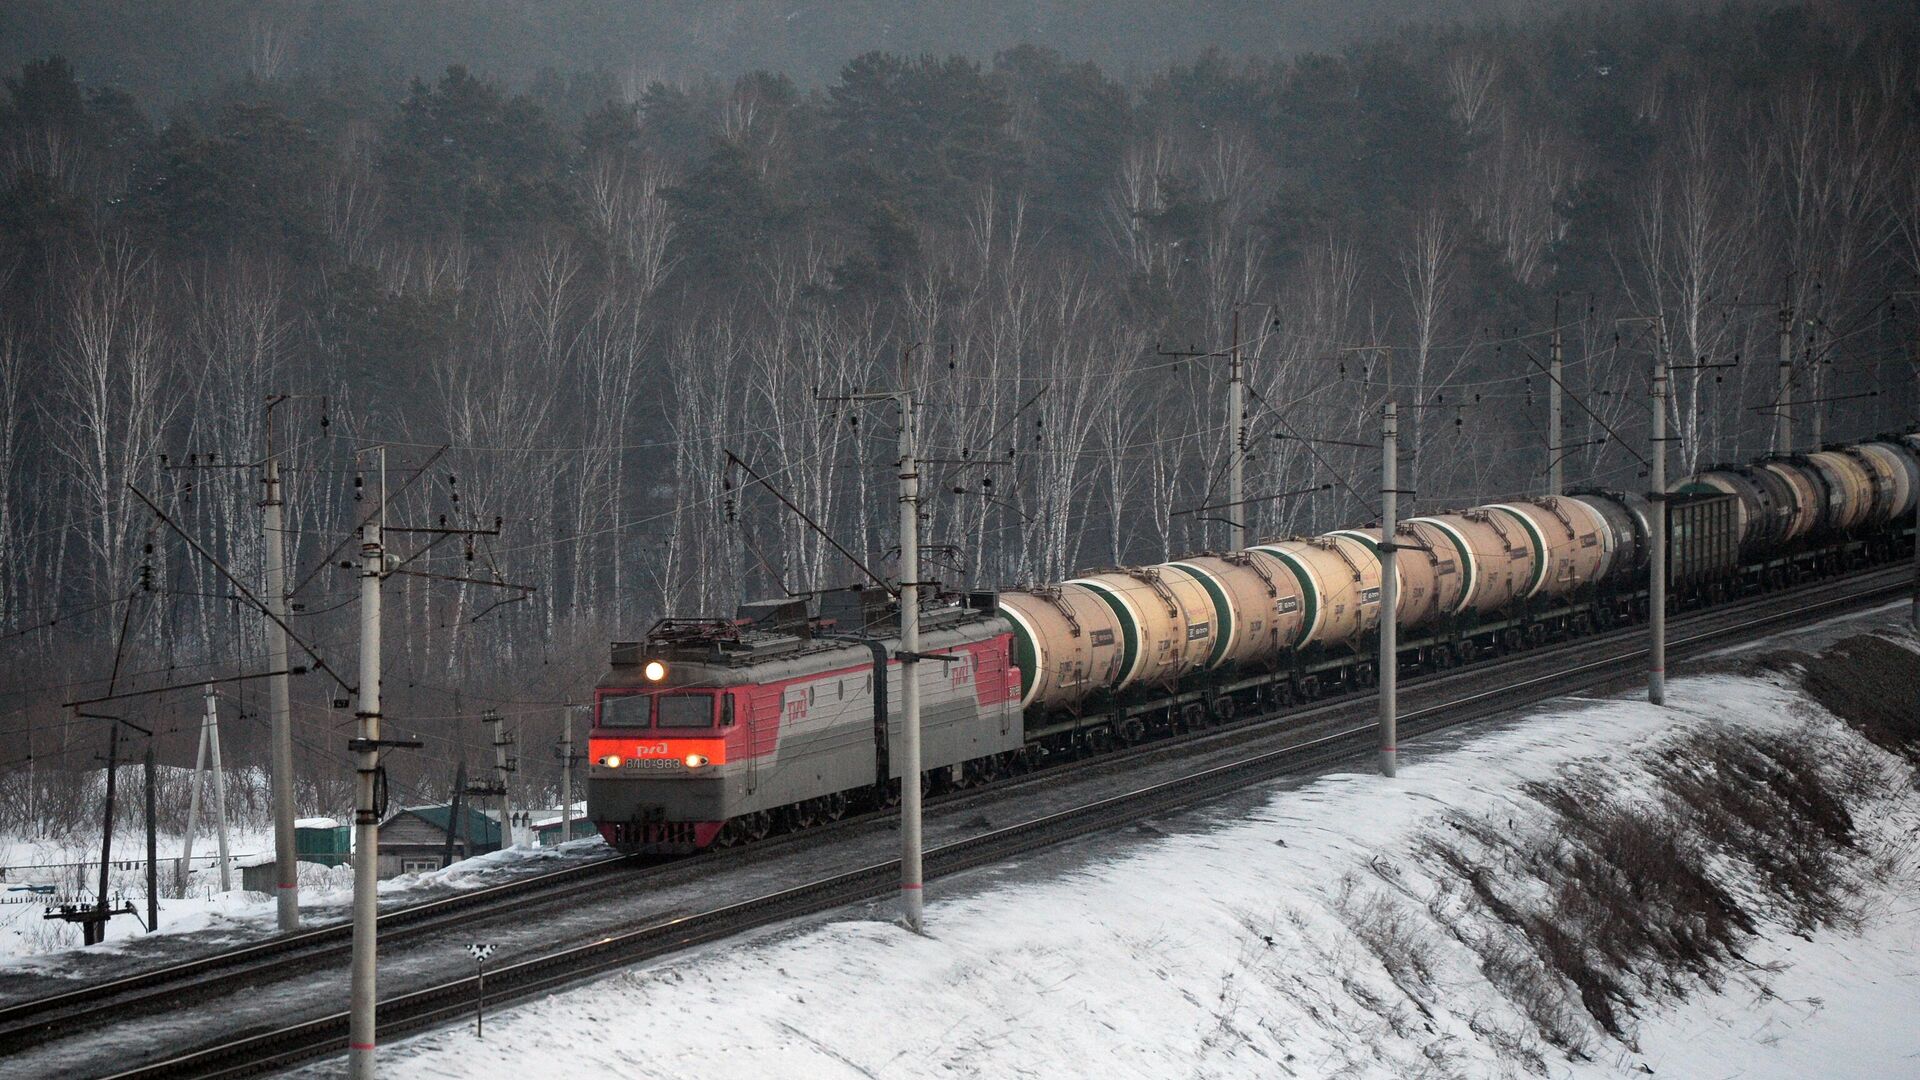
x=1224 y=709
x=1193 y=717
x=1310 y=688
x=758 y=826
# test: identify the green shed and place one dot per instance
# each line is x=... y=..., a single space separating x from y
x=323 y=841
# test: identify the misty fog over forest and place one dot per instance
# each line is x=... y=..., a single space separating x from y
x=561 y=259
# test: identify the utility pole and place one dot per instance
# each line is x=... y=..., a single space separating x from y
x=1237 y=423
x=1657 y=575
x=1556 y=456
x=366 y=821
x=566 y=774
x=219 y=791
x=1818 y=436
x=209 y=734
x=453 y=814
x=94 y=932
x=153 y=848
x=1783 y=404
x=911 y=883
x=185 y=866
x=285 y=855
x=501 y=767
x=1389 y=593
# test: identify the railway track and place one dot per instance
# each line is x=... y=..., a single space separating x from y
x=1312 y=738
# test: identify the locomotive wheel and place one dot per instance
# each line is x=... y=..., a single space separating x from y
x=1019 y=763
x=758 y=826
x=806 y=815
x=836 y=807
x=729 y=834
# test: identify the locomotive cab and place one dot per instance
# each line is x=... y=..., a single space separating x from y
x=658 y=758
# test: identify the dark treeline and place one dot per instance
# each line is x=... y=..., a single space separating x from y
x=588 y=291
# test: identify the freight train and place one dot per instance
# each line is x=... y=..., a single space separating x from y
x=718 y=731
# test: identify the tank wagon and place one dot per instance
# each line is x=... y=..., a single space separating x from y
x=712 y=732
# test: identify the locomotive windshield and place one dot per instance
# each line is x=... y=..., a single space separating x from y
x=684 y=711
x=626 y=710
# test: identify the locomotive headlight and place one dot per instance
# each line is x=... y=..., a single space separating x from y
x=611 y=761
x=694 y=761
x=655 y=671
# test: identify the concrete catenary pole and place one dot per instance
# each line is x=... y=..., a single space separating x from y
x=185 y=866
x=279 y=697
x=366 y=823
x=92 y=933
x=911 y=883
x=1237 y=426
x=1657 y=575
x=1816 y=391
x=1783 y=406
x=153 y=846
x=566 y=774
x=219 y=799
x=500 y=770
x=1389 y=592
x=1556 y=414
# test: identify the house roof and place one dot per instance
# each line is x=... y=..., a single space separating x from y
x=478 y=827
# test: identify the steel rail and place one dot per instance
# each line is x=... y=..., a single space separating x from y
x=22 y=1018
x=254 y=1053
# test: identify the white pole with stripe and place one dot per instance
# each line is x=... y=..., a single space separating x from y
x=1389 y=594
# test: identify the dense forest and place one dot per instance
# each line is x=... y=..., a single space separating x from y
x=559 y=301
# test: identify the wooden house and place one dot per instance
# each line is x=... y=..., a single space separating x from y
x=414 y=838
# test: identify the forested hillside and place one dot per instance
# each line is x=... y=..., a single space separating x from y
x=587 y=289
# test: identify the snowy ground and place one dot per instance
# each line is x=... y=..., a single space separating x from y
x=29 y=942
x=1223 y=944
